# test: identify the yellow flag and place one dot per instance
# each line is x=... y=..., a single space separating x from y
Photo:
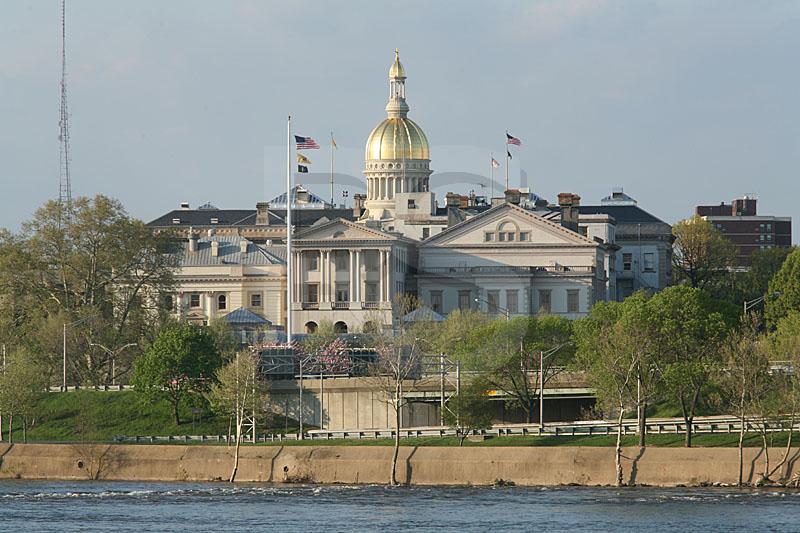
x=333 y=142
x=303 y=159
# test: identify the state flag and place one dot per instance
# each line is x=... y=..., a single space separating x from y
x=303 y=159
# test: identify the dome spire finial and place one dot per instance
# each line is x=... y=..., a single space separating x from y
x=397 y=106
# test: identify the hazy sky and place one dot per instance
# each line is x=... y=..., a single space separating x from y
x=678 y=102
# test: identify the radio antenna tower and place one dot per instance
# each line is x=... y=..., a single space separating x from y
x=65 y=185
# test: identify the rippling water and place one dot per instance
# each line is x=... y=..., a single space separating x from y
x=105 y=506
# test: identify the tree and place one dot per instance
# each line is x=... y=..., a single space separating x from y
x=180 y=364
x=22 y=384
x=688 y=335
x=739 y=286
x=507 y=352
x=469 y=410
x=785 y=287
x=239 y=393
x=609 y=356
x=784 y=350
x=700 y=253
x=104 y=269
x=228 y=345
x=398 y=366
x=743 y=379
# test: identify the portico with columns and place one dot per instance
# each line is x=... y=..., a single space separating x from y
x=348 y=274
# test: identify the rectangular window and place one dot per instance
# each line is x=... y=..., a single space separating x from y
x=255 y=299
x=769 y=227
x=312 y=261
x=436 y=301
x=523 y=236
x=488 y=237
x=371 y=259
x=627 y=261
x=342 y=292
x=544 y=300
x=572 y=300
x=342 y=260
x=761 y=237
x=501 y=236
x=512 y=302
x=371 y=292
x=464 y=300
x=649 y=262
x=194 y=300
x=312 y=293
x=426 y=232
x=493 y=301
x=510 y=236
x=411 y=204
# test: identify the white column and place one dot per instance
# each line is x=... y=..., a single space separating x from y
x=357 y=281
x=380 y=276
x=298 y=281
x=350 y=275
x=388 y=274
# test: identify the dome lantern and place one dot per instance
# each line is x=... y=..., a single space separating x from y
x=397 y=155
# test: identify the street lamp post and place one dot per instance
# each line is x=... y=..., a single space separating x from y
x=752 y=303
x=64 y=368
x=503 y=310
x=542 y=356
x=113 y=354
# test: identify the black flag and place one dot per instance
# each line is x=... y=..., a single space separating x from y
x=302 y=169
x=509 y=155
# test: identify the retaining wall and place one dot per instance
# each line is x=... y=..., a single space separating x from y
x=371 y=464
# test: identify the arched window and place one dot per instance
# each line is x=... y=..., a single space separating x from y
x=507 y=231
x=222 y=302
x=340 y=327
x=311 y=327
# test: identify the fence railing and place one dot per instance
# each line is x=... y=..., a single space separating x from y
x=711 y=425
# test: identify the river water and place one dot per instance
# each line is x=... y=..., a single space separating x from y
x=140 y=507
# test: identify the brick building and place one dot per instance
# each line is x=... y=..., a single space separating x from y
x=740 y=222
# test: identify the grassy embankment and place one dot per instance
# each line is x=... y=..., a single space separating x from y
x=100 y=416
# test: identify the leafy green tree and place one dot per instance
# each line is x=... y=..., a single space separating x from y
x=470 y=409
x=239 y=393
x=689 y=332
x=225 y=339
x=785 y=287
x=609 y=357
x=507 y=352
x=738 y=286
x=744 y=379
x=102 y=274
x=22 y=384
x=180 y=364
x=701 y=255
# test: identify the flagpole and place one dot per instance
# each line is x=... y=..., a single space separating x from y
x=508 y=153
x=332 y=170
x=289 y=262
x=491 y=173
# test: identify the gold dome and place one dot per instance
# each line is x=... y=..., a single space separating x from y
x=397 y=138
x=397 y=70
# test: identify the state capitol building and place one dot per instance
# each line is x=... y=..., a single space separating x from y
x=513 y=255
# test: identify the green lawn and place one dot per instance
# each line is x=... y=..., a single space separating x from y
x=101 y=416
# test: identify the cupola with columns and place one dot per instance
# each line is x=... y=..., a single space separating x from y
x=397 y=158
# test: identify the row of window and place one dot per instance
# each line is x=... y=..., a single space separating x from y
x=466 y=301
x=506 y=236
x=221 y=301
x=648 y=261
x=341 y=260
x=311 y=292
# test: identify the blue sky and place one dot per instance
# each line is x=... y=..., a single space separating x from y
x=681 y=103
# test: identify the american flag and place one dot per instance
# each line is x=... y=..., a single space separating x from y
x=305 y=143
x=495 y=163
x=512 y=140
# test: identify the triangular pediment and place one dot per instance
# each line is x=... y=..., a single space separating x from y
x=528 y=228
x=341 y=229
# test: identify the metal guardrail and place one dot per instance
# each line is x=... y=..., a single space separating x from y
x=99 y=388
x=709 y=425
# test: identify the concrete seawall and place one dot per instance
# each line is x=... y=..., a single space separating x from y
x=370 y=464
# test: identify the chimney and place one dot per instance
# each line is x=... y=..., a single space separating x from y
x=214 y=248
x=243 y=246
x=453 y=203
x=513 y=196
x=358 y=204
x=192 y=241
x=262 y=214
x=185 y=206
x=569 y=204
